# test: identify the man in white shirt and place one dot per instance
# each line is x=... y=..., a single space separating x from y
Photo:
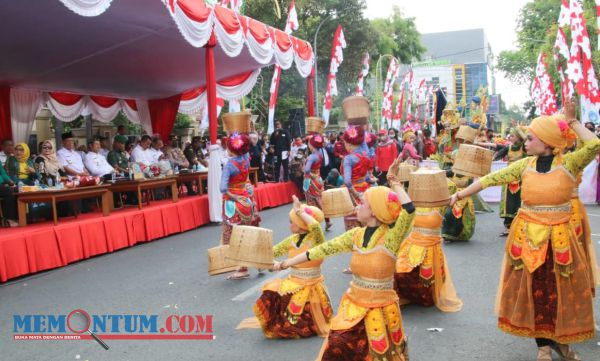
x=96 y=163
x=141 y=153
x=7 y=150
x=69 y=158
x=155 y=150
x=104 y=147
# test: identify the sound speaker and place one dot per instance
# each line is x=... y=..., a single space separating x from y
x=295 y=123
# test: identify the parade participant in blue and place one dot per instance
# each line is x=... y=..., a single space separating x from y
x=355 y=168
x=313 y=183
x=239 y=207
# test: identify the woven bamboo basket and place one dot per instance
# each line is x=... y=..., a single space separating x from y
x=356 y=110
x=251 y=246
x=217 y=263
x=337 y=203
x=473 y=161
x=467 y=134
x=315 y=125
x=240 y=122
x=404 y=172
x=429 y=188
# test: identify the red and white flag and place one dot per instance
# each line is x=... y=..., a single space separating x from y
x=562 y=48
x=337 y=56
x=290 y=25
x=235 y=5
x=388 y=93
x=548 y=104
x=407 y=79
x=563 y=18
x=536 y=94
x=364 y=71
x=586 y=82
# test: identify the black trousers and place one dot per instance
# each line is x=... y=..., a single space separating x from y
x=9 y=202
x=286 y=168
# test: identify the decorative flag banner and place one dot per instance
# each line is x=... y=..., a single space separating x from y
x=292 y=20
x=337 y=56
x=428 y=104
x=290 y=25
x=563 y=18
x=421 y=93
x=363 y=73
x=220 y=105
x=397 y=122
x=548 y=104
x=586 y=83
x=235 y=5
x=562 y=48
x=388 y=93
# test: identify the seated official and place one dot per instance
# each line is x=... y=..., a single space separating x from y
x=19 y=167
x=141 y=154
x=96 y=163
x=70 y=159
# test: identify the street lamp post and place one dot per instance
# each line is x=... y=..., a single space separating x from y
x=316 y=66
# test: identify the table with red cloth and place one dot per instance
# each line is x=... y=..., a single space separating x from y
x=190 y=177
x=139 y=185
x=44 y=246
x=54 y=196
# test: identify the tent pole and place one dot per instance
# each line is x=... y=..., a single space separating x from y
x=211 y=88
x=310 y=90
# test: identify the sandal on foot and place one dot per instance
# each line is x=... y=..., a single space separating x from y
x=347 y=271
x=544 y=354
x=565 y=352
x=238 y=276
x=328 y=226
x=504 y=234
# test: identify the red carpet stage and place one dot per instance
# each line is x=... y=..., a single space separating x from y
x=43 y=246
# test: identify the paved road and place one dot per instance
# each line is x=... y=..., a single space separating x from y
x=169 y=276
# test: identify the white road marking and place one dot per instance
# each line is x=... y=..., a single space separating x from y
x=595 y=235
x=593 y=215
x=256 y=288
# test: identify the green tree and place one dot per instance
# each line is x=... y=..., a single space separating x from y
x=398 y=36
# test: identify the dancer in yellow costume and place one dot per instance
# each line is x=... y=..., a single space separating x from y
x=544 y=292
x=297 y=306
x=368 y=325
x=422 y=274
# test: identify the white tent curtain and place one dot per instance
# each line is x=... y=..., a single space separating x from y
x=24 y=105
x=144 y=115
x=214 y=181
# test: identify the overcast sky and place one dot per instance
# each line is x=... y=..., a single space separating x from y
x=497 y=18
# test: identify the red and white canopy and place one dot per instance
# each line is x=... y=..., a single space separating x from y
x=113 y=54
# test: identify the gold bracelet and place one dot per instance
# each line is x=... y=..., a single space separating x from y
x=299 y=211
x=574 y=120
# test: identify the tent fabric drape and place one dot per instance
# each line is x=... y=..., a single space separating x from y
x=231 y=89
x=196 y=21
x=163 y=113
x=87 y=7
x=5 y=122
x=24 y=105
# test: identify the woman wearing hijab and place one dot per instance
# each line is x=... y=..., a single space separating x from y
x=544 y=290
x=47 y=164
x=19 y=167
